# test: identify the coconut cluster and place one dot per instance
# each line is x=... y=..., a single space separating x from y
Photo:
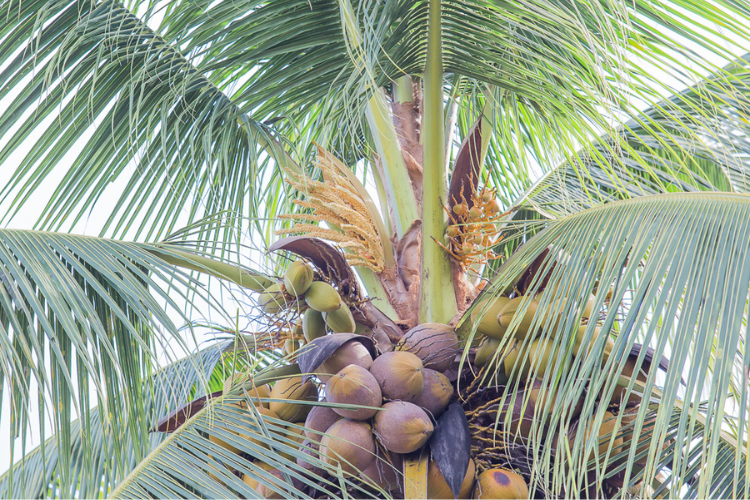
x=372 y=410
x=378 y=409
x=519 y=324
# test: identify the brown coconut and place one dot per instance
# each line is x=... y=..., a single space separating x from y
x=351 y=353
x=437 y=393
x=386 y=473
x=318 y=421
x=400 y=375
x=437 y=487
x=402 y=427
x=292 y=389
x=501 y=484
x=435 y=344
x=311 y=451
x=354 y=385
x=348 y=444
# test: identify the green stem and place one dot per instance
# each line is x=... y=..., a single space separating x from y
x=437 y=301
x=243 y=277
x=397 y=181
x=403 y=89
x=376 y=292
x=383 y=199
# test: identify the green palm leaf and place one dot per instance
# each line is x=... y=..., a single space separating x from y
x=85 y=318
x=97 y=67
x=94 y=462
x=678 y=271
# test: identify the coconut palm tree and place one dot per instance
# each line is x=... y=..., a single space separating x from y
x=562 y=184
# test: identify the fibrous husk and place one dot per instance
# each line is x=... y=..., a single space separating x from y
x=341 y=320
x=322 y=297
x=348 y=444
x=353 y=385
x=438 y=488
x=435 y=344
x=292 y=389
x=318 y=421
x=402 y=427
x=298 y=278
x=501 y=484
x=386 y=473
x=351 y=353
x=400 y=375
x=437 y=393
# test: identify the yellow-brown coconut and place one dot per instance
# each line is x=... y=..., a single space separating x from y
x=437 y=393
x=438 y=488
x=485 y=351
x=318 y=421
x=251 y=481
x=435 y=344
x=386 y=473
x=580 y=350
x=351 y=353
x=294 y=433
x=292 y=389
x=512 y=309
x=267 y=492
x=402 y=427
x=489 y=309
x=255 y=432
x=605 y=431
x=214 y=438
x=501 y=484
x=353 y=385
x=348 y=444
x=400 y=375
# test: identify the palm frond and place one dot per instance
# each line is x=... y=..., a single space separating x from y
x=693 y=141
x=253 y=447
x=670 y=272
x=94 y=74
x=84 y=319
x=97 y=460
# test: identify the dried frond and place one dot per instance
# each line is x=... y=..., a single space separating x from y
x=336 y=202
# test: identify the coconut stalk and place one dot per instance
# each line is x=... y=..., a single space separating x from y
x=437 y=302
